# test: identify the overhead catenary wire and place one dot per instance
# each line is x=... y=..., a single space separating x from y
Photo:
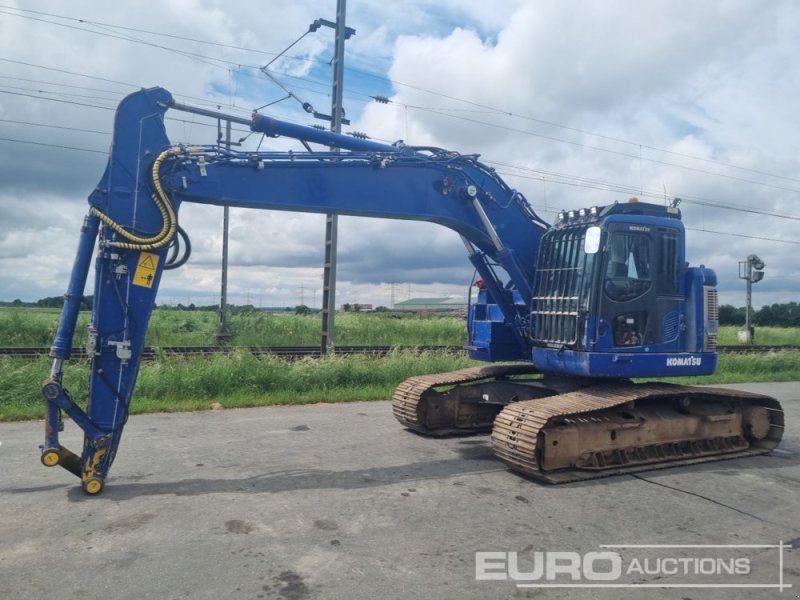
x=552 y=138
x=170 y=221
x=209 y=60
x=107 y=80
x=59 y=84
x=607 y=150
x=573 y=183
x=50 y=126
x=493 y=110
x=638 y=157
x=147 y=31
x=66 y=72
x=72 y=95
x=420 y=108
x=610 y=186
x=98 y=106
x=27 y=13
x=202 y=58
x=580 y=181
x=58 y=100
x=61 y=146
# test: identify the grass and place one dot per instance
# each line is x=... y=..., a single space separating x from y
x=765 y=336
x=32 y=326
x=783 y=365
x=173 y=384
x=240 y=379
x=352 y=329
x=37 y=326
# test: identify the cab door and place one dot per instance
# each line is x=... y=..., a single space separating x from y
x=639 y=299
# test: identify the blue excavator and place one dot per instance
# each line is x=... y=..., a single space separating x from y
x=568 y=314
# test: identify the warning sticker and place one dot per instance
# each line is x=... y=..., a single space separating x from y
x=146 y=270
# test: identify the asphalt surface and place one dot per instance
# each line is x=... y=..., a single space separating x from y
x=338 y=501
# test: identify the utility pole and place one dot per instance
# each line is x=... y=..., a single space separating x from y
x=223 y=333
x=332 y=220
x=751 y=270
x=336 y=118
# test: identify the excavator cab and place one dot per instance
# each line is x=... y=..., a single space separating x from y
x=613 y=296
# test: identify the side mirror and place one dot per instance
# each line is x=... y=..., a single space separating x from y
x=591 y=243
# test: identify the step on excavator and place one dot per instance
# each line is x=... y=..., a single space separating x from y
x=569 y=313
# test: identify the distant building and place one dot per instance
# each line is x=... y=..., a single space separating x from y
x=423 y=305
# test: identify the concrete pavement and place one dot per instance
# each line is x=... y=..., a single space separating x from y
x=338 y=501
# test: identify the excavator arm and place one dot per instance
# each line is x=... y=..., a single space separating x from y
x=133 y=220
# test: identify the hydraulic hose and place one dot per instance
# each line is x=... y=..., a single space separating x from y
x=169 y=219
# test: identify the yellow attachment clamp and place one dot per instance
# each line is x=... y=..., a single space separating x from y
x=93 y=486
x=51 y=457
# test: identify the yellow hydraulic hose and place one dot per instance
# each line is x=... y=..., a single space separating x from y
x=169 y=218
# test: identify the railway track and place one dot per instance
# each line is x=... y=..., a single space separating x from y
x=755 y=349
x=294 y=352
x=150 y=352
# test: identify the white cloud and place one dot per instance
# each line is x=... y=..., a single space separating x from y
x=712 y=80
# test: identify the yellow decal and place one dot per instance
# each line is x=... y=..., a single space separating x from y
x=91 y=466
x=146 y=270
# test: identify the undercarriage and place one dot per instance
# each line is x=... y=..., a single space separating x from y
x=559 y=430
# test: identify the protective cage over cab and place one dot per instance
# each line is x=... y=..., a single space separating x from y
x=614 y=297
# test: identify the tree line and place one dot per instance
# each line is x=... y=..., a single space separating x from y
x=49 y=302
x=775 y=315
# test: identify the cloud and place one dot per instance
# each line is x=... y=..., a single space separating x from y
x=678 y=91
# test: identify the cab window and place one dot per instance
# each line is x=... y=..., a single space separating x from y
x=628 y=270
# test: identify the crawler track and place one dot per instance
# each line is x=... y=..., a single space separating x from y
x=526 y=434
x=419 y=407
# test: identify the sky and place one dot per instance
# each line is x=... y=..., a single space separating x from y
x=575 y=103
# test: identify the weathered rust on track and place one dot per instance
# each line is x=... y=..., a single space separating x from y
x=526 y=434
x=419 y=407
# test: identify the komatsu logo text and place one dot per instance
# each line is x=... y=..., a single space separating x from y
x=684 y=361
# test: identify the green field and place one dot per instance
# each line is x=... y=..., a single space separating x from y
x=27 y=327
x=764 y=336
x=174 y=383
x=35 y=327
x=30 y=327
